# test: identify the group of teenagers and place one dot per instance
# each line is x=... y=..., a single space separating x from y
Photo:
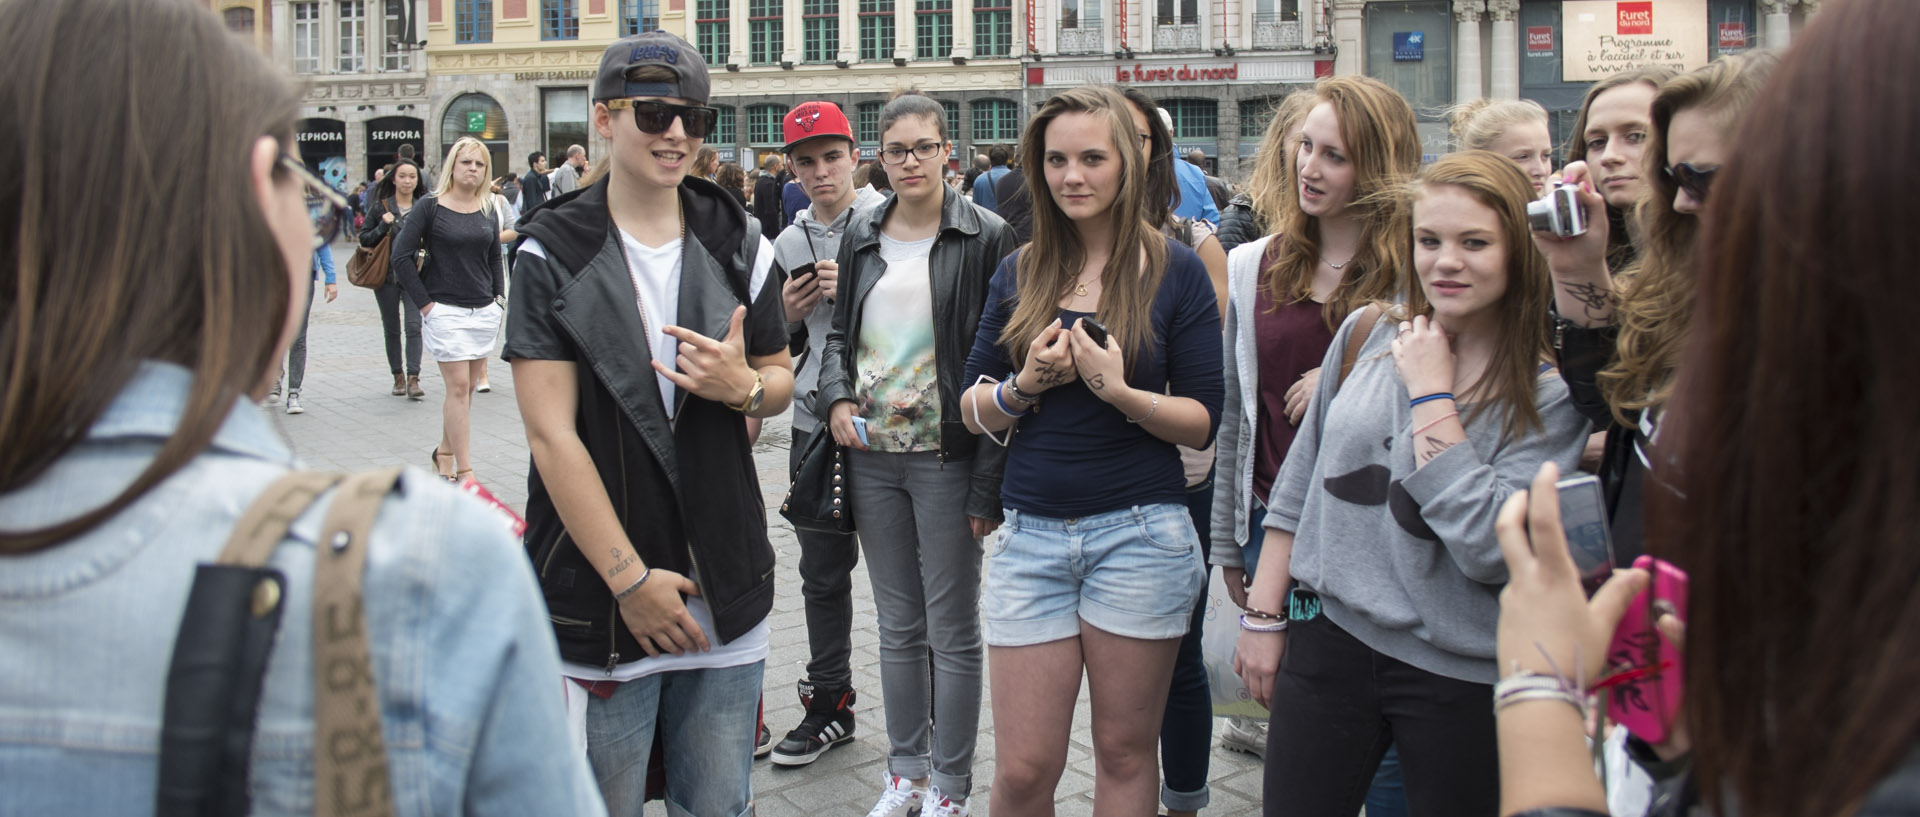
x=1360 y=417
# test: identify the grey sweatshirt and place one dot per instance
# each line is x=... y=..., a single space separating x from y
x=1406 y=560
x=791 y=251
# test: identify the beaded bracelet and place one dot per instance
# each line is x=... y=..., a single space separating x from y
x=1150 y=410
x=1013 y=383
x=1439 y=395
x=1255 y=612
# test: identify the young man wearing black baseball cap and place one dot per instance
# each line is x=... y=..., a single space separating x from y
x=821 y=150
x=646 y=327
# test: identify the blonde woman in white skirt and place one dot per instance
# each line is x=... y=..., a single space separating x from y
x=459 y=288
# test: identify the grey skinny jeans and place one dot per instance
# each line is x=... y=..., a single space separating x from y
x=924 y=565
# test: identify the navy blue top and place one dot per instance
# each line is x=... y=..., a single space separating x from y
x=1078 y=456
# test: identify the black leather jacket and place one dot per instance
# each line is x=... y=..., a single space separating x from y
x=1239 y=224
x=966 y=251
x=683 y=482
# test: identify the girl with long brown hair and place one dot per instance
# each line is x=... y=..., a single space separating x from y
x=1618 y=337
x=1378 y=571
x=1609 y=141
x=1114 y=329
x=1791 y=447
x=393 y=199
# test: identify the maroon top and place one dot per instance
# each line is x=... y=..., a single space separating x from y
x=1288 y=342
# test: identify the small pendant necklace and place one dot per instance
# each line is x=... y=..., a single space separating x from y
x=1341 y=265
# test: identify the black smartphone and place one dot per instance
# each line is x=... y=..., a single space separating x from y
x=803 y=273
x=1095 y=330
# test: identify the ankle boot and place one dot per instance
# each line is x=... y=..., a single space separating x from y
x=413 y=387
x=399 y=385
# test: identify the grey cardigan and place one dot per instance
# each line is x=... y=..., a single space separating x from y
x=1233 y=451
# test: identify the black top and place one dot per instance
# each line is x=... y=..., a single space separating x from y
x=766 y=206
x=1014 y=204
x=464 y=267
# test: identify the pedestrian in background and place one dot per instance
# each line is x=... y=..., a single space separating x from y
x=295 y=372
x=734 y=181
x=129 y=448
x=459 y=290
x=1269 y=191
x=1099 y=567
x=765 y=201
x=392 y=201
x=982 y=187
x=1514 y=128
x=566 y=177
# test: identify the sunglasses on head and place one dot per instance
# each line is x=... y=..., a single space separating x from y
x=1692 y=179
x=654 y=118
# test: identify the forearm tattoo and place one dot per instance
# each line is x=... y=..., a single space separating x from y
x=1434 y=446
x=622 y=559
x=1594 y=298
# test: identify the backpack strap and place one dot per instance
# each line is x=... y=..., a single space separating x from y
x=349 y=752
x=1362 y=329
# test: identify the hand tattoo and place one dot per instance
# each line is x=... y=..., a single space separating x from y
x=1435 y=445
x=1595 y=299
x=1051 y=375
x=1098 y=382
x=622 y=559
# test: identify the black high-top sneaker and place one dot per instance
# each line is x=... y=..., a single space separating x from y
x=828 y=723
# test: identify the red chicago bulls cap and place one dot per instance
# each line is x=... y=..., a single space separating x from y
x=809 y=120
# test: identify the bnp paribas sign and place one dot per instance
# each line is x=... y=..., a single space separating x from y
x=1607 y=37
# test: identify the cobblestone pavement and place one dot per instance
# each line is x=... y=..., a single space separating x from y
x=352 y=423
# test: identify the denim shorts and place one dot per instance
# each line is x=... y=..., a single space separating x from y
x=1133 y=573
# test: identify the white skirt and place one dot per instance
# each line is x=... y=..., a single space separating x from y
x=454 y=333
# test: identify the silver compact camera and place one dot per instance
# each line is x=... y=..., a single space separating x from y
x=1558 y=212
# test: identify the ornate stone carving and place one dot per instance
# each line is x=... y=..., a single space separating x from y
x=1503 y=11
x=1277 y=34
x=1469 y=11
x=1082 y=40
x=1183 y=37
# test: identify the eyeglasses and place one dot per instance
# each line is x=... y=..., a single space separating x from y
x=654 y=118
x=324 y=204
x=1692 y=179
x=923 y=152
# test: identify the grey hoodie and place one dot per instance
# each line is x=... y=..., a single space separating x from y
x=1406 y=560
x=791 y=251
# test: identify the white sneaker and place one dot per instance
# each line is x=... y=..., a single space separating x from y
x=898 y=798
x=940 y=805
x=1245 y=735
x=293 y=403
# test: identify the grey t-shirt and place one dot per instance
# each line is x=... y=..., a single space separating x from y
x=1406 y=560
x=802 y=242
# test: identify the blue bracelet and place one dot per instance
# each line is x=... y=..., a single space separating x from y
x=1441 y=395
x=1002 y=404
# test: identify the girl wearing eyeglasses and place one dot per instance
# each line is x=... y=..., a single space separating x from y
x=1618 y=339
x=913 y=283
x=1101 y=351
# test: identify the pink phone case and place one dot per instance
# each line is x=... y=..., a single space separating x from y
x=1643 y=681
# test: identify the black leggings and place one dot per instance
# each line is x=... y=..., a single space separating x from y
x=1338 y=704
x=396 y=307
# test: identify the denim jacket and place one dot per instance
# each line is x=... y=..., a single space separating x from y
x=468 y=674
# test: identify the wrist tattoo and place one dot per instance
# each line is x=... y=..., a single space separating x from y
x=1434 y=446
x=622 y=559
x=1595 y=299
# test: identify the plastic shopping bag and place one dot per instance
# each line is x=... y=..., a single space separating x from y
x=1219 y=635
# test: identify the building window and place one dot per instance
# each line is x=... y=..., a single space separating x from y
x=1178 y=12
x=992 y=28
x=866 y=129
x=995 y=120
x=820 y=30
x=1276 y=11
x=1079 y=13
x=765 y=33
x=712 y=31
x=473 y=21
x=932 y=29
x=763 y=124
x=239 y=21
x=876 y=29
x=353 y=36
x=953 y=117
x=1194 y=118
x=395 y=37
x=306 y=38
x=723 y=127
x=1254 y=116
x=564 y=114
x=559 y=20
x=639 y=16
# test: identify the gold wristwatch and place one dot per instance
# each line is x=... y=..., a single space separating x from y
x=754 y=395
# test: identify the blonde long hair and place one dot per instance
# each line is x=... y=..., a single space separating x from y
x=460 y=148
x=1656 y=298
x=1271 y=186
x=1477 y=124
x=1384 y=145
x=1521 y=343
x=1051 y=263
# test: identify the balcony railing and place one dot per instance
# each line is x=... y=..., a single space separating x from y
x=1089 y=37
x=1177 y=37
x=1270 y=31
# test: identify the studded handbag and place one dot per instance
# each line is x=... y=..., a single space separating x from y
x=818 y=500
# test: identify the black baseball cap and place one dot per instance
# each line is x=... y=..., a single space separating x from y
x=652 y=48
